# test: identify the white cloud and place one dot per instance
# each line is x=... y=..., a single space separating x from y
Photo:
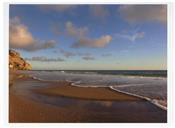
x=74 y=31
x=93 y=43
x=21 y=38
x=144 y=13
x=132 y=38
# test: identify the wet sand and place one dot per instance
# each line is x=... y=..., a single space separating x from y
x=90 y=93
x=61 y=102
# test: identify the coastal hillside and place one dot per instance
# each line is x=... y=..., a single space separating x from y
x=16 y=62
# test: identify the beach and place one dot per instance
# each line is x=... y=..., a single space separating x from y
x=60 y=101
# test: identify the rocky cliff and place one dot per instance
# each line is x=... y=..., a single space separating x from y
x=16 y=62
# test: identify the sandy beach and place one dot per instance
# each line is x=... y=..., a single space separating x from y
x=89 y=93
x=61 y=102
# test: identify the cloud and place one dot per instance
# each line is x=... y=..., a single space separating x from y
x=67 y=54
x=93 y=43
x=137 y=35
x=44 y=59
x=21 y=38
x=83 y=41
x=88 y=58
x=57 y=8
x=144 y=13
x=98 y=11
x=74 y=31
x=39 y=45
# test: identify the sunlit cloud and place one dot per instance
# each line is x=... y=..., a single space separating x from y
x=21 y=38
x=93 y=43
x=80 y=34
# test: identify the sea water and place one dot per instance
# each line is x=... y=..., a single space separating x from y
x=150 y=85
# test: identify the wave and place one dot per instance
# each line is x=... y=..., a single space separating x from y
x=141 y=73
x=78 y=83
x=153 y=101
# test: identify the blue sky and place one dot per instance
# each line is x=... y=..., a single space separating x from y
x=90 y=37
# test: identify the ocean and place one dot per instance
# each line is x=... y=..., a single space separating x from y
x=148 y=84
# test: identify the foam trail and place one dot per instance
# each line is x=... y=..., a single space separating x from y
x=155 y=102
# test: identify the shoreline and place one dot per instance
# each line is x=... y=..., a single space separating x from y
x=112 y=88
x=86 y=93
x=145 y=98
x=24 y=109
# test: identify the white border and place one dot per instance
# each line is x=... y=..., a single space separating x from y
x=6 y=51
x=171 y=65
x=4 y=64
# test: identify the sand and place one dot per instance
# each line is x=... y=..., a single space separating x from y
x=61 y=102
x=23 y=110
x=90 y=93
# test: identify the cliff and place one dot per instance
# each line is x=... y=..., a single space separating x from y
x=16 y=62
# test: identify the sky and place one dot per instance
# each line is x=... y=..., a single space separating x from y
x=90 y=37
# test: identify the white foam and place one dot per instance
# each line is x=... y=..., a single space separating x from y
x=153 y=101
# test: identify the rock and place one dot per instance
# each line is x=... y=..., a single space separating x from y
x=16 y=62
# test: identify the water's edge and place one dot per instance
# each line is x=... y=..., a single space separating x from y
x=154 y=102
